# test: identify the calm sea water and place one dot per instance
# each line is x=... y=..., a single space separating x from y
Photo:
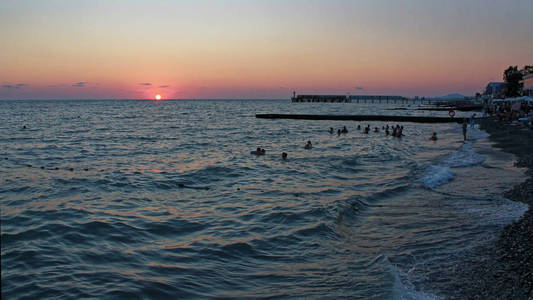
x=144 y=199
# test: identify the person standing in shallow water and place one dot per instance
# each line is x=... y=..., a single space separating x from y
x=464 y=129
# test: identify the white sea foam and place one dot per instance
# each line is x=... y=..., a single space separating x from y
x=404 y=289
x=436 y=175
x=441 y=173
x=503 y=212
x=463 y=158
x=476 y=133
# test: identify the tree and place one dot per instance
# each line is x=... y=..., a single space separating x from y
x=527 y=70
x=512 y=77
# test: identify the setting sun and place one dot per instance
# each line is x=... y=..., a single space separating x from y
x=157 y=97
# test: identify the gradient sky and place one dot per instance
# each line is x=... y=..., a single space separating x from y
x=109 y=49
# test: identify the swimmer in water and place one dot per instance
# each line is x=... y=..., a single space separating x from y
x=344 y=130
x=308 y=145
x=376 y=129
x=331 y=130
x=366 y=130
x=433 y=137
x=259 y=151
x=338 y=132
x=358 y=127
x=284 y=156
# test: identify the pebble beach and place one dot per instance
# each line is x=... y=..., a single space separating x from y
x=504 y=269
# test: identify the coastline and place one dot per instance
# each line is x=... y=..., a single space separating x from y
x=504 y=269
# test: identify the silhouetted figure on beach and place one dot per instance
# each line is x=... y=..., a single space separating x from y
x=464 y=129
x=472 y=121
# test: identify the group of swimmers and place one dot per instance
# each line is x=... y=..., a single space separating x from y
x=344 y=130
x=397 y=131
x=261 y=151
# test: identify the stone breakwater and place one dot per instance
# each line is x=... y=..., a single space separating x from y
x=504 y=270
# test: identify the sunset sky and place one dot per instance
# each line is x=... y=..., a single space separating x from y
x=129 y=49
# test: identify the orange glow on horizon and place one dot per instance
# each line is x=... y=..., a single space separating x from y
x=157 y=97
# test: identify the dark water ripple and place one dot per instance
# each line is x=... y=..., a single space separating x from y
x=141 y=199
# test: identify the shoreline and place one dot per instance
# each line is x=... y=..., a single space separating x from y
x=504 y=269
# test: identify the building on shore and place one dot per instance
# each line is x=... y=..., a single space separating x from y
x=527 y=83
x=496 y=89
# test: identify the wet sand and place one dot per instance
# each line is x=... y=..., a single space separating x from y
x=504 y=269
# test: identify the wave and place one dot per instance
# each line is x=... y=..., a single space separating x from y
x=437 y=175
x=492 y=214
x=212 y=174
x=403 y=287
x=475 y=133
x=463 y=158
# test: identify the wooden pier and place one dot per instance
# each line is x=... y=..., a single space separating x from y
x=414 y=119
x=378 y=99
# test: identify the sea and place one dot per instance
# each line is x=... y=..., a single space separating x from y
x=142 y=199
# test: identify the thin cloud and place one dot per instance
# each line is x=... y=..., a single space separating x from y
x=145 y=83
x=359 y=88
x=164 y=86
x=15 y=86
x=80 y=84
